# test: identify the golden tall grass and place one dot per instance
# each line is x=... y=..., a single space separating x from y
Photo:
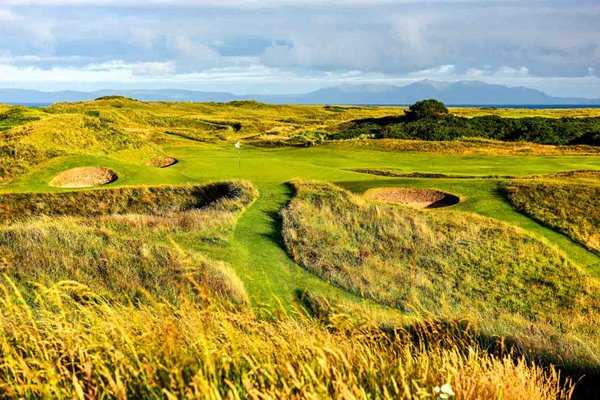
x=69 y=343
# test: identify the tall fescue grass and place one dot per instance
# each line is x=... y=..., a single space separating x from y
x=569 y=206
x=132 y=250
x=451 y=265
x=119 y=267
x=125 y=200
x=60 y=345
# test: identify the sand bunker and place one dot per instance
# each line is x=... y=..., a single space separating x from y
x=84 y=177
x=418 y=198
x=162 y=161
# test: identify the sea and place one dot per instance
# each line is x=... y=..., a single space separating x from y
x=491 y=106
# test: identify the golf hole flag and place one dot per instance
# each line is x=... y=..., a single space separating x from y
x=237 y=146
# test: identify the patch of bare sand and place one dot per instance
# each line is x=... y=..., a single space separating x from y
x=163 y=161
x=413 y=197
x=84 y=177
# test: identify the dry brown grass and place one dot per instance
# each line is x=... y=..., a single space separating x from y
x=63 y=346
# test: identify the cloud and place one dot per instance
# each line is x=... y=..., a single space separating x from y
x=293 y=41
x=7 y=16
x=441 y=71
x=501 y=72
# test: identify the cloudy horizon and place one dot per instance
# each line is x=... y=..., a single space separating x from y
x=276 y=47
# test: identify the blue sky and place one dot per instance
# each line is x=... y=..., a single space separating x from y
x=296 y=46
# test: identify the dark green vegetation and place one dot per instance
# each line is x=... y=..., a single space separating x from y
x=430 y=120
x=164 y=284
x=572 y=206
x=16 y=116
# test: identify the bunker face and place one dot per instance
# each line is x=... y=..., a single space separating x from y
x=418 y=198
x=163 y=161
x=84 y=177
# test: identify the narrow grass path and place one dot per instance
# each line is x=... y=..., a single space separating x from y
x=257 y=253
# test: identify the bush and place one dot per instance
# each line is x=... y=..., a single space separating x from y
x=426 y=109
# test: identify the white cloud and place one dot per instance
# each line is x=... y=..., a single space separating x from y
x=501 y=72
x=7 y=16
x=142 y=37
x=317 y=42
x=441 y=71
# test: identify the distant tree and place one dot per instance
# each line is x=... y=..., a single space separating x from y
x=426 y=109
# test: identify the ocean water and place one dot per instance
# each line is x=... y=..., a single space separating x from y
x=516 y=106
x=30 y=104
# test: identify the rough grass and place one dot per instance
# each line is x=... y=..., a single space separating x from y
x=16 y=159
x=570 y=207
x=472 y=146
x=15 y=116
x=95 y=349
x=125 y=200
x=449 y=264
x=130 y=253
x=116 y=266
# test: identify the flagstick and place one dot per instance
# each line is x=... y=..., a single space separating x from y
x=237 y=146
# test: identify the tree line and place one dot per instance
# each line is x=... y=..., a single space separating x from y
x=430 y=120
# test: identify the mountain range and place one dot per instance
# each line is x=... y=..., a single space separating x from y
x=451 y=93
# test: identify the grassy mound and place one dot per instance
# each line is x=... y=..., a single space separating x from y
x=417 y=198
x=451 y=263
x=132 y=252
x=84 y=177
x=99 y=350
x=569 y=207
x=118 y=267
x=126 y=200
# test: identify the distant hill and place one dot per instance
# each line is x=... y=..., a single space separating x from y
x=451 y=93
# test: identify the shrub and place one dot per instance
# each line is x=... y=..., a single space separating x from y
x=426 y=109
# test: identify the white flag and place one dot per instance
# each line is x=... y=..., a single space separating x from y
x=237 y=145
